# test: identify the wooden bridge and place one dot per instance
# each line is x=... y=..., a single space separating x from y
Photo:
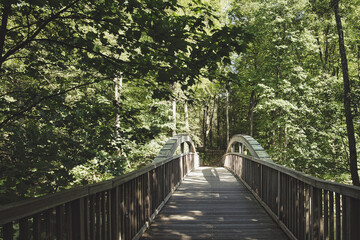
x=175 y=198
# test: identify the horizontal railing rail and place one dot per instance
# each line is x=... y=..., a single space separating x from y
x=305 y=207
x=120 y=208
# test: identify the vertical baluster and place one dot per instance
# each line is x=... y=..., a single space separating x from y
x=8 y=231
x=103 y=215
x=279 y=199
x=37 y=226
x=92 y=217
x=331 y=213
x=344 y=218
x=302 y=213
x=59 y=222
x=68 y=212
x=77 y=219
x=297 y=208
x=326 y=215
x=316 y=210
x=98 y=216
x=108 y=215
x=338 y=216
x=48 y=224
x=113 y=211
x=307 y=206
x=132 y=203
x=24 y=229
x=86 y=218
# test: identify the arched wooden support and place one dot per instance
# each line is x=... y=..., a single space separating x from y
x=254 y=148
x=169 y=149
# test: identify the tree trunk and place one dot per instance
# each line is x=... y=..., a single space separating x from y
x=211 y=119
x=3 y=28
x=186 y=117
x=253 y=103
x=227 y=117
x=174 y=116
x=204 y=128
x=347 y=98
x=118 y=85
x=117 y=93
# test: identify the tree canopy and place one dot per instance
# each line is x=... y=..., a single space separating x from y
x=93 y=89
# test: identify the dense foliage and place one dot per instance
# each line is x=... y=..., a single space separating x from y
x=60 y=123
x=92 y=89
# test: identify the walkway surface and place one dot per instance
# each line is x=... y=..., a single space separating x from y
x=212 y=204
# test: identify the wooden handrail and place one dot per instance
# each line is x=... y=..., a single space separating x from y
x=304 y=206
x=121 y=207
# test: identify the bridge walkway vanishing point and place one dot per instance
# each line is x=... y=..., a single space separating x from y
x=211 y=203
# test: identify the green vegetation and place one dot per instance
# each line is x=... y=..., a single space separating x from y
x=93 y=89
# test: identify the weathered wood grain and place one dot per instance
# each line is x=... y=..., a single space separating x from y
x=212 y=204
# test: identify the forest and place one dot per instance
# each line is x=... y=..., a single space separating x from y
x=90 y=90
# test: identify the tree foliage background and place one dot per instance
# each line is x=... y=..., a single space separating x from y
x=270 y=69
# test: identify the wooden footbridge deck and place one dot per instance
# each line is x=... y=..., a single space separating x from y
x=212 y=204
x=175 y=198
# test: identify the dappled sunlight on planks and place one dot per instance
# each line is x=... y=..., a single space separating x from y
x=212 y=204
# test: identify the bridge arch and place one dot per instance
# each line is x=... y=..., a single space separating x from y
x=245 y=144
x=175 y=143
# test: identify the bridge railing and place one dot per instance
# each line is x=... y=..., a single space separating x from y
x=120 y=208
x=305 y=207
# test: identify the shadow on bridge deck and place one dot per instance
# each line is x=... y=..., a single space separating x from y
x=212 y=204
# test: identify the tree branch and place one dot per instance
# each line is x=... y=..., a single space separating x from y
x=28 y=108
x=35 y=34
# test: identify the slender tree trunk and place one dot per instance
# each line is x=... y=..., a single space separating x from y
x=204 y=128
x=118 y=85
x=227 y=117
x=117 y=93
x=358 y=59
x=3 y=28
x=174 y=116
x=186 y=116
x=211 y=120
x=347 y=98
x=319 y=46
x=218 y=131
x=253 y=103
